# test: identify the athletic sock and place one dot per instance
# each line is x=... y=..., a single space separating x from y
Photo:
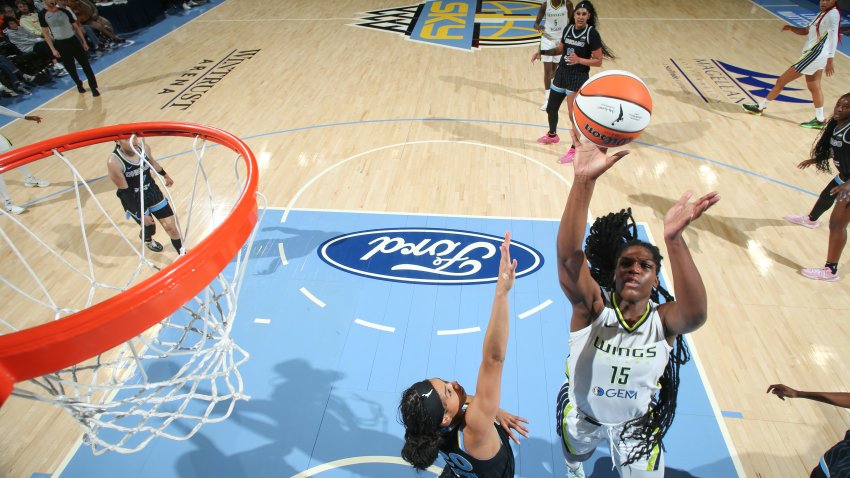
x=819 y=114
x=178 y=244
x=833 y=266
x=763 y=104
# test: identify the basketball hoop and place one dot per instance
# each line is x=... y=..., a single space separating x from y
x=156 y=358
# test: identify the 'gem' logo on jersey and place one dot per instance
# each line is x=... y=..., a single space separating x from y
x=614 y=393
x=717 y=81
x=463 y=24
x=425 y=256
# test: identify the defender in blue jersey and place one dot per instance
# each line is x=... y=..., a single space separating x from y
x=835 y=463
x=471 y=434
x=831 y=147
x=130 y=166
x=582 y=48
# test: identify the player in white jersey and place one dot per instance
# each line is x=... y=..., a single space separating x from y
x=29 y=180
x=622 y=375
x=818 y=52
x=551 y=19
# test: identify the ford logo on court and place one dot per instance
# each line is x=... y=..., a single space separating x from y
x=425 y=256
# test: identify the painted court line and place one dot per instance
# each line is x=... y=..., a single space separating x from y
x=281 y=254
x=262 y=321
x=312 y=297
x=372 y=325
x=459 y=331
x=535 y=310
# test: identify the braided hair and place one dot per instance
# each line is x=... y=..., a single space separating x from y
x=592 y=21
x=822 y=150
x=609 y=236
x=422 y=437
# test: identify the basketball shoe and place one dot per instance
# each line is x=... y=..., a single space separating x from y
x=34 y=182
x=802 y=221
x=820 y=273
x=546 y=139
x=577 y=473
x=813 y=124
x=569 y=157
x=11 y=207
x=752 y=108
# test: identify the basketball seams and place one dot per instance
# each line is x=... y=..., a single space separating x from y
x=612 y=108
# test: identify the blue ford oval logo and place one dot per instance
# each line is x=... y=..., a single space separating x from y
x=425 y=256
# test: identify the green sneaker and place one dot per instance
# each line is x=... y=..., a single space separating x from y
x=752 y=108
x=814 y=124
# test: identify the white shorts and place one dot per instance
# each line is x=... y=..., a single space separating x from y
x=547 y=44
x=580 y=437
x=811 y=62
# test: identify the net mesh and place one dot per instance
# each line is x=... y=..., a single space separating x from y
x=176 y=376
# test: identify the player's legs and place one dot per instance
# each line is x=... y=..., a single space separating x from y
x=165 y=216
x=813 y=84
x=838 y=221
x=579 y=435
x=787 y=77
x=648 y=466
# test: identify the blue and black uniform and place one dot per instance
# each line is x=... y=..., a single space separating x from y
x=461 y=464
x=154 y=202
x=569 y=78
x=840 y=146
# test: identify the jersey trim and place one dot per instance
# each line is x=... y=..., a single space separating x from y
x=623 y=322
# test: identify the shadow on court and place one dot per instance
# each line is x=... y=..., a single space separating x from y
x=730 y=229
x=296 y=243
x=303 y=422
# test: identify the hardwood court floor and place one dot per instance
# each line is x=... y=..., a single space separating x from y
x=310 y=67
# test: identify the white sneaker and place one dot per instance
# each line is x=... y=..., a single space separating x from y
x=11 y=207
x=820 y=273
x=577 y=473
x=34 y=182
x=802 y=220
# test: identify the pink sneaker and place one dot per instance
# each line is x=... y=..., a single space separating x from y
x=802 y=220
x=820 y=273
x=568 y=158
x=546 y=139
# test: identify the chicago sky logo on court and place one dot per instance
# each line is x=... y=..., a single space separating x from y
x=717 y=81
x=462 y=24
x=425 y=256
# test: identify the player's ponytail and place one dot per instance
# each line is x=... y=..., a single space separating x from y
x=609 y=236
x=822 y=151
x=422 y=437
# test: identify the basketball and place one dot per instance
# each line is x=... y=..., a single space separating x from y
x=612 y=108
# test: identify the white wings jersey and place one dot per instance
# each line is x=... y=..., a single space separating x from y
x=555 y=20
x=824 y=25
x=614 y=370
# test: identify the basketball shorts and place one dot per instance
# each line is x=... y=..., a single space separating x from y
x=547 y=44
x=812 y=61
x=569 y=78
x=835 y=463
x=581 y=434
x=155 y=204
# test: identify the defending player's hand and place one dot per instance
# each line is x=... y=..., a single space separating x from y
x=510 y=422
x=805 y=164
x=782 y=391
x=684 y=212
x=507 y=267
x=591 y=160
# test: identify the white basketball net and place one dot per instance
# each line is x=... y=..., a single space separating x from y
x=178 y=375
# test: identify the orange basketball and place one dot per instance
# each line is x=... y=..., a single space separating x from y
x=612 y=108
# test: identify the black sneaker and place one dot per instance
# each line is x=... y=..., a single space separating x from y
x=154 y=246
x=81 y=89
